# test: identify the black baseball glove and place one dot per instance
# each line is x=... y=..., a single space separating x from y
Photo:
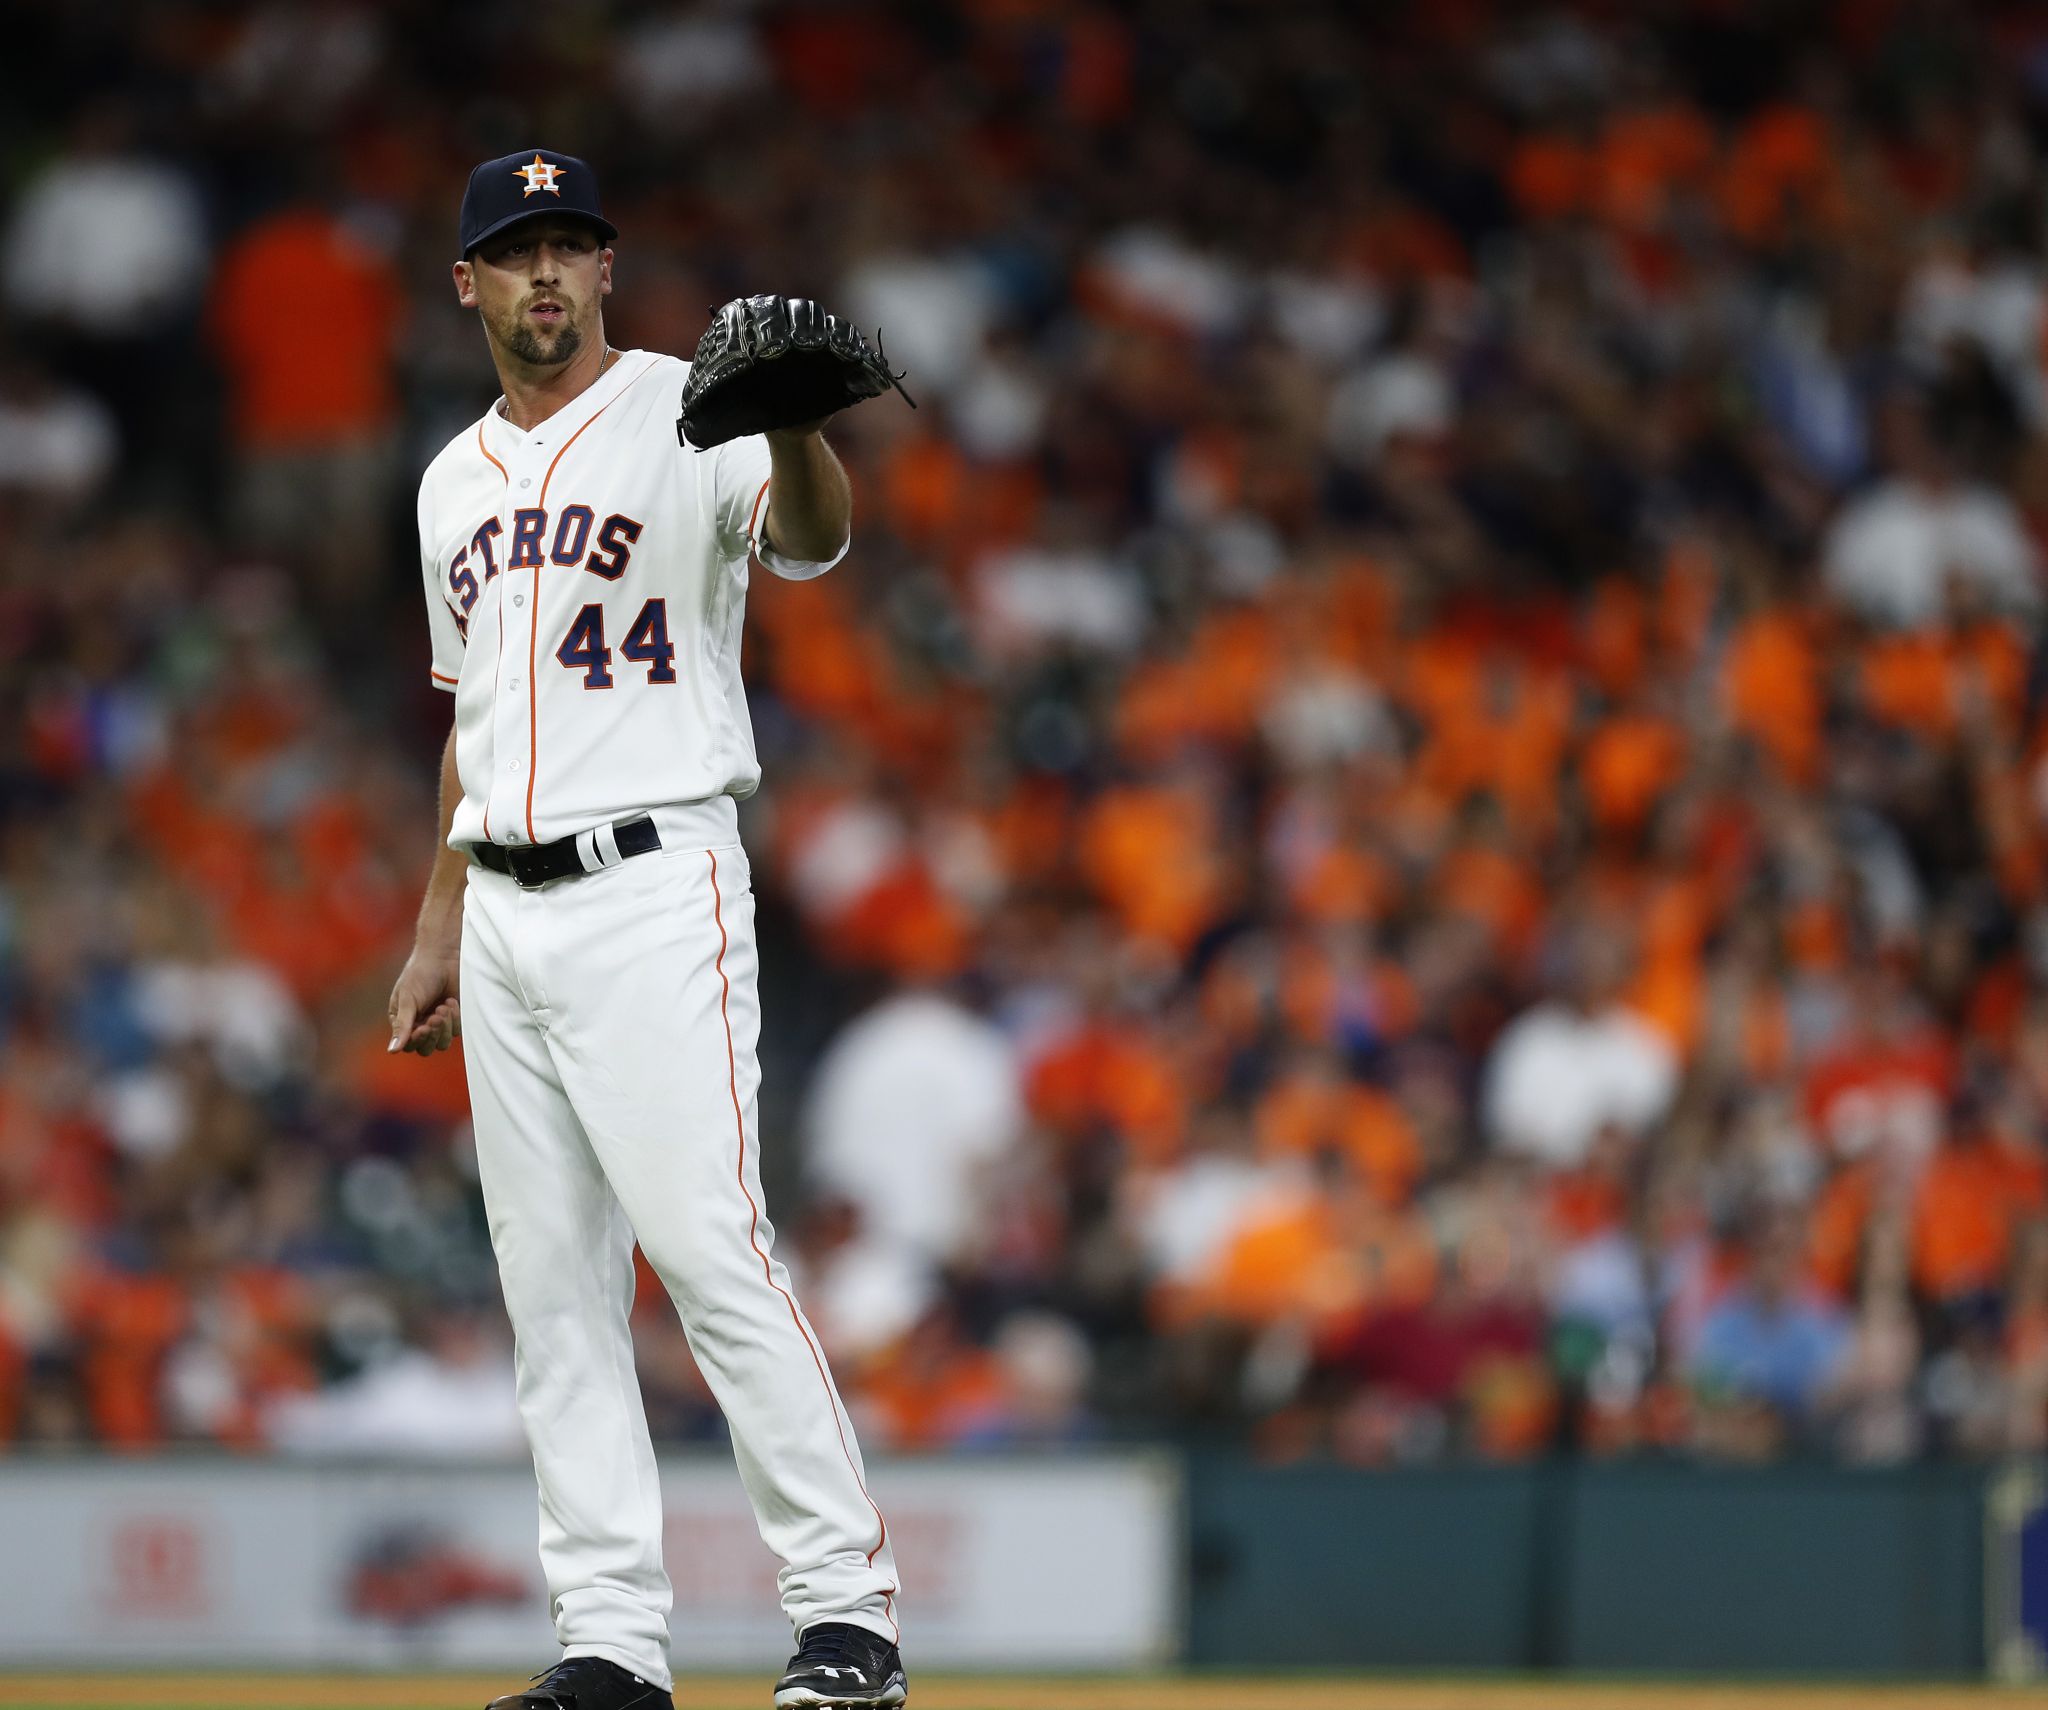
x=775 y=362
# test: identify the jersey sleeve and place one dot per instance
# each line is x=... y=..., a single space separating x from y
x=444 y=634
x=742 y=487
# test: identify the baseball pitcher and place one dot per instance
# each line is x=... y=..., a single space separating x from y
x=588 y=928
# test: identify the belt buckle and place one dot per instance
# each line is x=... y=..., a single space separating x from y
x=513 y=866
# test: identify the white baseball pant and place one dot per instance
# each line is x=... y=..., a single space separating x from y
x=610 y=1023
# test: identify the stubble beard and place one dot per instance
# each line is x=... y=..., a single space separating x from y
x=524 y=342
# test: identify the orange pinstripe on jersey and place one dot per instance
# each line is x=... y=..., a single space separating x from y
x=533 y=627
x=499 y=669
x=488 y=458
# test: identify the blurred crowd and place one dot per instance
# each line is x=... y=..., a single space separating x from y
x=1419 y=826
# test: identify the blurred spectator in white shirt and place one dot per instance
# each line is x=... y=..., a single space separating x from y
x=58 y=444
x=105 y=242
x=909 y=1105
x=1183 y=1218
x=1578 y=1063
x=103 y=259
x=934 y=310
x=454 y=1397
x=1894 y=549
x=861 y=1292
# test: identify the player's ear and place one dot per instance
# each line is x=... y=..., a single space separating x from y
x=604 y=271
x=465 y=285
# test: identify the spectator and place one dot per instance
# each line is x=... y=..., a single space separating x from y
x=1901 y=553
x=1578 y=1063
x=863 y=1292
x=108 y=242
x=107 y=251
x=309 y=318
x=910 y=1104
x=451 y=1395
x=58 y=443
x=1046 y=1366
x=1767 y=1351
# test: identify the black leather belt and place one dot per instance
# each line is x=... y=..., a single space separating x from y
x=530 y=865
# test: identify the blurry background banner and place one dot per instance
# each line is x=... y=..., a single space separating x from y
x=1068 y=1563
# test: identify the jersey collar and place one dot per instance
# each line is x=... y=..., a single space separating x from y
x=505 y=438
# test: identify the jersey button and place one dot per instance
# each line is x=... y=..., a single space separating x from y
x=519 y=599
x=515 y=765
x=527 y=483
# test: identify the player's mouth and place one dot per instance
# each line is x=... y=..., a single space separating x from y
x=549 y=314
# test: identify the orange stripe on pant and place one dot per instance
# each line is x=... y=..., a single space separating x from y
x=754 y=1234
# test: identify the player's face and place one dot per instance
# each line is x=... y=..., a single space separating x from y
x=538 y=288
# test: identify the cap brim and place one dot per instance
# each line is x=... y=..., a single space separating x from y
x=605 y=229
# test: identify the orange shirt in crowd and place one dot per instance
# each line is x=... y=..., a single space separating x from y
x=307 y=319
x=903 y=923
x=1645 y=157
x=1344 y=884
x=1550 y=175
x=1780 y=170
x=420 y=1089
x=1584 y=1203
x=1109 y=1074
x=127 y=1325
x=1961 y=1219
x=1148 y=852
x=1302 y=1114
x=1495 y=724
x=1627 y=763
x=1673 y=915
x=1615 y=640
x=1924 y=680
x=1771 y=688
x=1212 y=691
x=1319 y=1260
x=1964 y=1213
x=1486 y=884
x=922 y=1403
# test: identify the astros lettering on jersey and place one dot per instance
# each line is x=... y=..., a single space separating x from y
x=585 y=588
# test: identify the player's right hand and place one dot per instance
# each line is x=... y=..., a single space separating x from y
x=425 y=1011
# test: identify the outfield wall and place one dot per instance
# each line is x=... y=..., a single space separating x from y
x=1648 y=1568
x=1092 y=1561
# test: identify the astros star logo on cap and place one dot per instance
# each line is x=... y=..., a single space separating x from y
x=539 y=175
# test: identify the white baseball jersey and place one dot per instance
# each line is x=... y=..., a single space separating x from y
x=585 y=588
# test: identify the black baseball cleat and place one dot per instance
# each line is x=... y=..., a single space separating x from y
x=837 y=1664
x=586 y=1683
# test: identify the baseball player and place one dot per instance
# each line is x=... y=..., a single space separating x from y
x=589 y=925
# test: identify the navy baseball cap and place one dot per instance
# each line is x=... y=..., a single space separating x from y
x=520 y=186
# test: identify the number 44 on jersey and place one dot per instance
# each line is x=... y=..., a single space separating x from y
x=646 y=643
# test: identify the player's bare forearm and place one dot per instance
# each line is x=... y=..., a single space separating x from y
x=425 y=1011
x=441 y=909
x=810 y=501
